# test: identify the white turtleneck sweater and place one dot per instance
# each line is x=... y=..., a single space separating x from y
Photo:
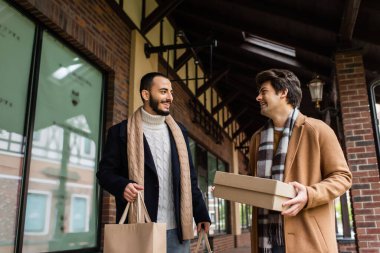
x=157 y=134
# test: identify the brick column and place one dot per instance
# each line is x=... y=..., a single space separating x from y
x=360 y=149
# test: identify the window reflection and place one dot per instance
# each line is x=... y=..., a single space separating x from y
x=64 y=153
x=37 y=216
x=245 y=216
x=206 y=165
x=16 y=46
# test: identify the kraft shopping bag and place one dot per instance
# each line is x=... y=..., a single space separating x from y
x=202 y=235
x=141 y=237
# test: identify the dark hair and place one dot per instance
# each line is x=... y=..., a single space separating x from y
x=282 y=79
x=147 y=80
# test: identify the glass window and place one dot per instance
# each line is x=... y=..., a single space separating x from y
x=206 y=165
x=192 y=145
x=16 y=46
x=201 y=167
x=79 y=214
x=344 y=223
x=212 y=166
x=37 y=215
x=375 y=102
x=88 y=148
x=212 y=201
x=222 y=166
x=217 y=206
x=245 y=216
x=64 y=149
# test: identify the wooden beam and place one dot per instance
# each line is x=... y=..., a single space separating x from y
x=350 y=14
x=224 y=102
x=256 y=10
x=232 y=30
x=186 y=56
x=233 y=117
x=272 y=60
x=241 y=129
x=210 y=83
x=245 y=140
x=164 y=9
x=227 y=53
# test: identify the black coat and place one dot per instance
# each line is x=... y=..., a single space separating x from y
x=113 y=176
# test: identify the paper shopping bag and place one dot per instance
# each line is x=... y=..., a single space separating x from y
x=147 y=237
x=201 y=235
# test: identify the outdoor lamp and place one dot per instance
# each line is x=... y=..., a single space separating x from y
x=316 y=90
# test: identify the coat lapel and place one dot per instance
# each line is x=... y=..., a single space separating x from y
x=148 y=157
x=293 y=144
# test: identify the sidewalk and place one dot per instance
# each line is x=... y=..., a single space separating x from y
x=237 y=250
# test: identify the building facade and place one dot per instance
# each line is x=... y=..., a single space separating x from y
x=71 y=69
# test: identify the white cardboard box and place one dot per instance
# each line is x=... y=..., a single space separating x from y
x=255 y=191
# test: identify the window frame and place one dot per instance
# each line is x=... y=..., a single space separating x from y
x=372 y=95
x=40 y=28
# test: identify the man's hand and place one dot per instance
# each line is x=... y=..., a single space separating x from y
x=297 y=203
x=131 y=190
x=206 y=226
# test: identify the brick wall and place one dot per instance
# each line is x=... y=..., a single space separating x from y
x=360 y=150
x=222 y=243
x=243 y=240
x=347 y=246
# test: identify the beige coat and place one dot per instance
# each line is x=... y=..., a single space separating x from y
x=314 y=159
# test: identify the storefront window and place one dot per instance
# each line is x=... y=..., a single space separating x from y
x=201 y=166
x=206 y=165
x=217 y=207
x=64 y=152
x=16 y=46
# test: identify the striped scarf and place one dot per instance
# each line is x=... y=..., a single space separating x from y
x=271 y=166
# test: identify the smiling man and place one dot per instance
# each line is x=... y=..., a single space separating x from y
x=305 y=153
x=150 y=153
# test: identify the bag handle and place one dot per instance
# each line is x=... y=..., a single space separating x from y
x=200 y=235
x=140 y=202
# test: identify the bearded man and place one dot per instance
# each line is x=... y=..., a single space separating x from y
x=150 y=152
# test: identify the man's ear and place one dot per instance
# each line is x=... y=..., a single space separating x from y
x=284 y=93
x=145 y=95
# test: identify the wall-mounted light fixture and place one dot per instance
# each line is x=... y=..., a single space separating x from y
x=316 y=90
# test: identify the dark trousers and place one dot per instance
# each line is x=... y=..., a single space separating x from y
x=278 y=249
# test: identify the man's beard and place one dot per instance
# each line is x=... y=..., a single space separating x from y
x=153 y=103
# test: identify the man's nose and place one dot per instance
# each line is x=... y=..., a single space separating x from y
x=170 y=96
x=258 y=98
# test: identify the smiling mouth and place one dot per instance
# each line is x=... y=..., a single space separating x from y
x=166 y=104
